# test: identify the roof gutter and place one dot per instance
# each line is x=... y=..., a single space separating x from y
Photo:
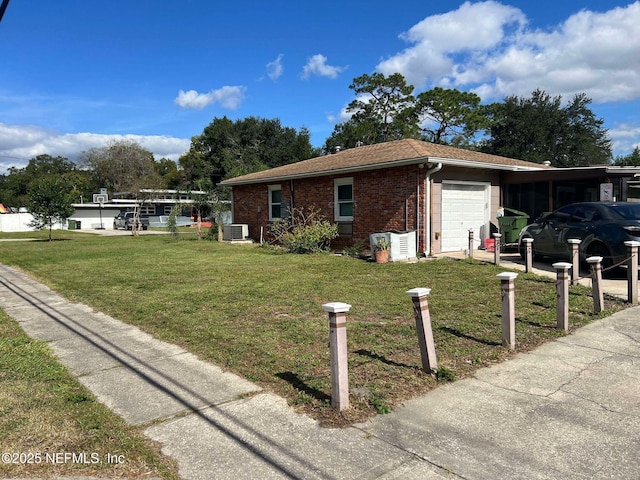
x=492 y=166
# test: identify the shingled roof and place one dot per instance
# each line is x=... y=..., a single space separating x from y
x=381 y=155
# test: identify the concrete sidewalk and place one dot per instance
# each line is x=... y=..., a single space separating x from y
x=570 y=409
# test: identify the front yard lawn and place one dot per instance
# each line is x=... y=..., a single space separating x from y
x=258 y=312
x=45 y=411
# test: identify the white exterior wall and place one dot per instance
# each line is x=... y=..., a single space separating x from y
x=16 y=222
x=90 y=219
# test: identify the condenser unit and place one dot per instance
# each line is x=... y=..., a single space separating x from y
x=236 y=231
x=402 y=244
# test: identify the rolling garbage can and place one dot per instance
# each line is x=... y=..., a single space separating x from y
x=511 y=224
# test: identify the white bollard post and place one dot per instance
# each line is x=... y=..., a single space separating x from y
x=508 y=309
x=338 y=348
x=632 y=272
x=595 y=264
x=528 y=254
x=562 y=291
x=471 y=243
x=423 y=327
x=496 y=252
x=575 y=259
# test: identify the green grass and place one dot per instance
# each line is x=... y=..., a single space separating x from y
x=43 y=409
x=44 y=235
x=258 y=312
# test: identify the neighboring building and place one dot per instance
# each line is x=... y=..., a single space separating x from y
x=156 y=205
x=440 y=192
x=546 y=190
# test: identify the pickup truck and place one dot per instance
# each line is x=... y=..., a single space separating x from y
x=126 y=220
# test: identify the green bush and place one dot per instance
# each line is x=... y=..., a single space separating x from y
x=304 y=231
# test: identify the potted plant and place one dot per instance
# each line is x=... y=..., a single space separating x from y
x=381 y=250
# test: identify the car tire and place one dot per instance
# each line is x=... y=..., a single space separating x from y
x=521 y=248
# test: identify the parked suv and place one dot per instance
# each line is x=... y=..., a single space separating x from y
x=603 y=228
x=126 y=220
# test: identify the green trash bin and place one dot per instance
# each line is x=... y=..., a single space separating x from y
x=511 y=224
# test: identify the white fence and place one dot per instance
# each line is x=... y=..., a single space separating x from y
x=19 y=222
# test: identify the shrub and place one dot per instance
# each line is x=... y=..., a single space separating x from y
x=304 y=231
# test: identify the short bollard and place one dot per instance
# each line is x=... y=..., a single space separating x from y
x=496 y=252
x=632 y=272
x=595 y=265
x=575 y=259
x=508 y=309
x=423 y=328
x=338 y=347
x=528 y=254
x=471 y=243
x=562 y=291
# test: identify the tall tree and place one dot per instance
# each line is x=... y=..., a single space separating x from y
x=450 y=116
x=50 y=202
x=383 y=110
x=125 y=166
x=227 y=148
x=15 y=185
x=630 y=160
x=539 y=128
x=168 y=170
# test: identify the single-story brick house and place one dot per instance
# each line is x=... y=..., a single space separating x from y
x=440 y=192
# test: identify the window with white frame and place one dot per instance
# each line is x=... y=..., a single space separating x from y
x=275 y=202
x=343 y=199
x=147 y=210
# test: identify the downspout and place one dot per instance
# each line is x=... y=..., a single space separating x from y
x=291 y=190
x=427 y=214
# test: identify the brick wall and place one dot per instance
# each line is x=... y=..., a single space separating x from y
x=384 y=199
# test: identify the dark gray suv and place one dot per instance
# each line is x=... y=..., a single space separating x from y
x=603 y=228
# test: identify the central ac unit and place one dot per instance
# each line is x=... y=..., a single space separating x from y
x=236 y=231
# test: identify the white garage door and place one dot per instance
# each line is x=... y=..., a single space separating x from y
x=464 y=206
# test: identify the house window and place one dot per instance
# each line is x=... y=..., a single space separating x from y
x=275 y=202
x=343 y=199
x=147 y=210
x=167 y=209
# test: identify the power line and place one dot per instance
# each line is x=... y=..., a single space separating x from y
x=3 y=7
x=15 y=158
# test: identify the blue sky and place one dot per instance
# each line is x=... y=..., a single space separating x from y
x=78 y=74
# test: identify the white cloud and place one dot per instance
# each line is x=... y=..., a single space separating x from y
x=625 y=137
x=317 y=65
x=228 y=97
x=19 y=144
x=487 y=47
x=469 y=30
x=275 y=68
x=343 y=116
